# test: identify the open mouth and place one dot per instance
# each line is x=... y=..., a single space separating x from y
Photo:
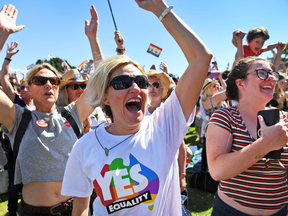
x=267 y=88
x=48 y=94
x=133 y=105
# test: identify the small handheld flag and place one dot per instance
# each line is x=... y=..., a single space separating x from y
x=50 y=56
x=198 y=115
x=83 y=64
x=30 y=67
x=154 y=50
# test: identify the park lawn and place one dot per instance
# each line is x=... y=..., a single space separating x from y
x=200 y=203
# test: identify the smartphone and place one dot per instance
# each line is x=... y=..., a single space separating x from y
x=271 y=117
x=214 y=75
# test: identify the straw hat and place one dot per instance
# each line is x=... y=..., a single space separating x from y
x=71 y=76
x=164 y=78
x=208 y=82
x=283 y=75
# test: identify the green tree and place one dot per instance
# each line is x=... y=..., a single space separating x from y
x=55 y=62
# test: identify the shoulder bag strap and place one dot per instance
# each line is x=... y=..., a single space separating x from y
x=26 y=118
x=66 y=114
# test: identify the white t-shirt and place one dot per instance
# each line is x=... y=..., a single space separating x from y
x=140 y=175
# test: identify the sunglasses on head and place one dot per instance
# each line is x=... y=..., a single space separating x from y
x=76 y=86
x=23 y=87
x=155 y=85
x=263 y=74
x=125 y=82
x=39 y=80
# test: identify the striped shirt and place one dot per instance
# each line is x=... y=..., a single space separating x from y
x=262 y=186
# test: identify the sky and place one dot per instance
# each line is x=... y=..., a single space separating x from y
x=57 y=28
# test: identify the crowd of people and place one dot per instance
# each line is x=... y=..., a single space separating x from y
x=112 y=141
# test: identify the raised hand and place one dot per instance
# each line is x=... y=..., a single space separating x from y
x=155 y=6
x=280 y=46
x=163 y=67
x=119 y=40
x=12 y=50
x=8 y=17
x=92 y=27
x=239 y=35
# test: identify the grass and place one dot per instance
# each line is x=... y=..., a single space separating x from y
x=200 y=203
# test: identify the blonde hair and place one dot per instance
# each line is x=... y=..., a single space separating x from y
x=22 y=81
x=63 y=99
x=37 y=68
x=98 y=82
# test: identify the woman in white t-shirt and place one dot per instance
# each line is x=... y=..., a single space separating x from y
x=131 y=163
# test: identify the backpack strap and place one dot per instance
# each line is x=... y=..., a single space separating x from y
x=67 y=115
x=26 y=118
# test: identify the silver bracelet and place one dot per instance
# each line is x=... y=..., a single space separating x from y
x=165 y=12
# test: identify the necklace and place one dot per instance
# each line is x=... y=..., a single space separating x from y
x=105 y=149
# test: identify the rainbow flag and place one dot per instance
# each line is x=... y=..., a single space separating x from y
x=83 y=64
x=30 y=67
x=154 y=50
x=50 y=56
x=198 y=114
x=63 y=63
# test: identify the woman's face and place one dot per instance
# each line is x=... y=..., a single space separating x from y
x=24 y=90
x=281 y=84
x=155 y=93
x=260 y=91
x=73 y=93
x=128 y=105
x=215 y=88
x=45 y=96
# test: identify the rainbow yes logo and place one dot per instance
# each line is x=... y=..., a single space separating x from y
x=120 y=186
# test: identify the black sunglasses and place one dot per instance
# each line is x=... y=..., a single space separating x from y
x=125 y=81
x=23 y=87
x=263 y=74
x=76 y=86
x=39 y=80
x=155 y=85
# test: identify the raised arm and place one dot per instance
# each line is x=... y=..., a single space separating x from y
x=220 y=96
x=119 y=40
x=7 y=87
x=91 y=32
x=277 y=60
x=271 y=46
x=195 y=51
x=8 y=109
x=238 y=35
x=8 y=17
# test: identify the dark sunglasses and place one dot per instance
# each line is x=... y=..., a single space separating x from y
x=39 y=80
x=155 y=85
x=263 y=74
x=125 y=82
x=23 y=87
x=76 y=86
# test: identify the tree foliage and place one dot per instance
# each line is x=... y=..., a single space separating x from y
x=55 y=62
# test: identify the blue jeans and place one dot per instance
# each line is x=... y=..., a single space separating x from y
x=220 y=208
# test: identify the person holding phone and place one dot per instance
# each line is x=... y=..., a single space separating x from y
x=248 y=184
